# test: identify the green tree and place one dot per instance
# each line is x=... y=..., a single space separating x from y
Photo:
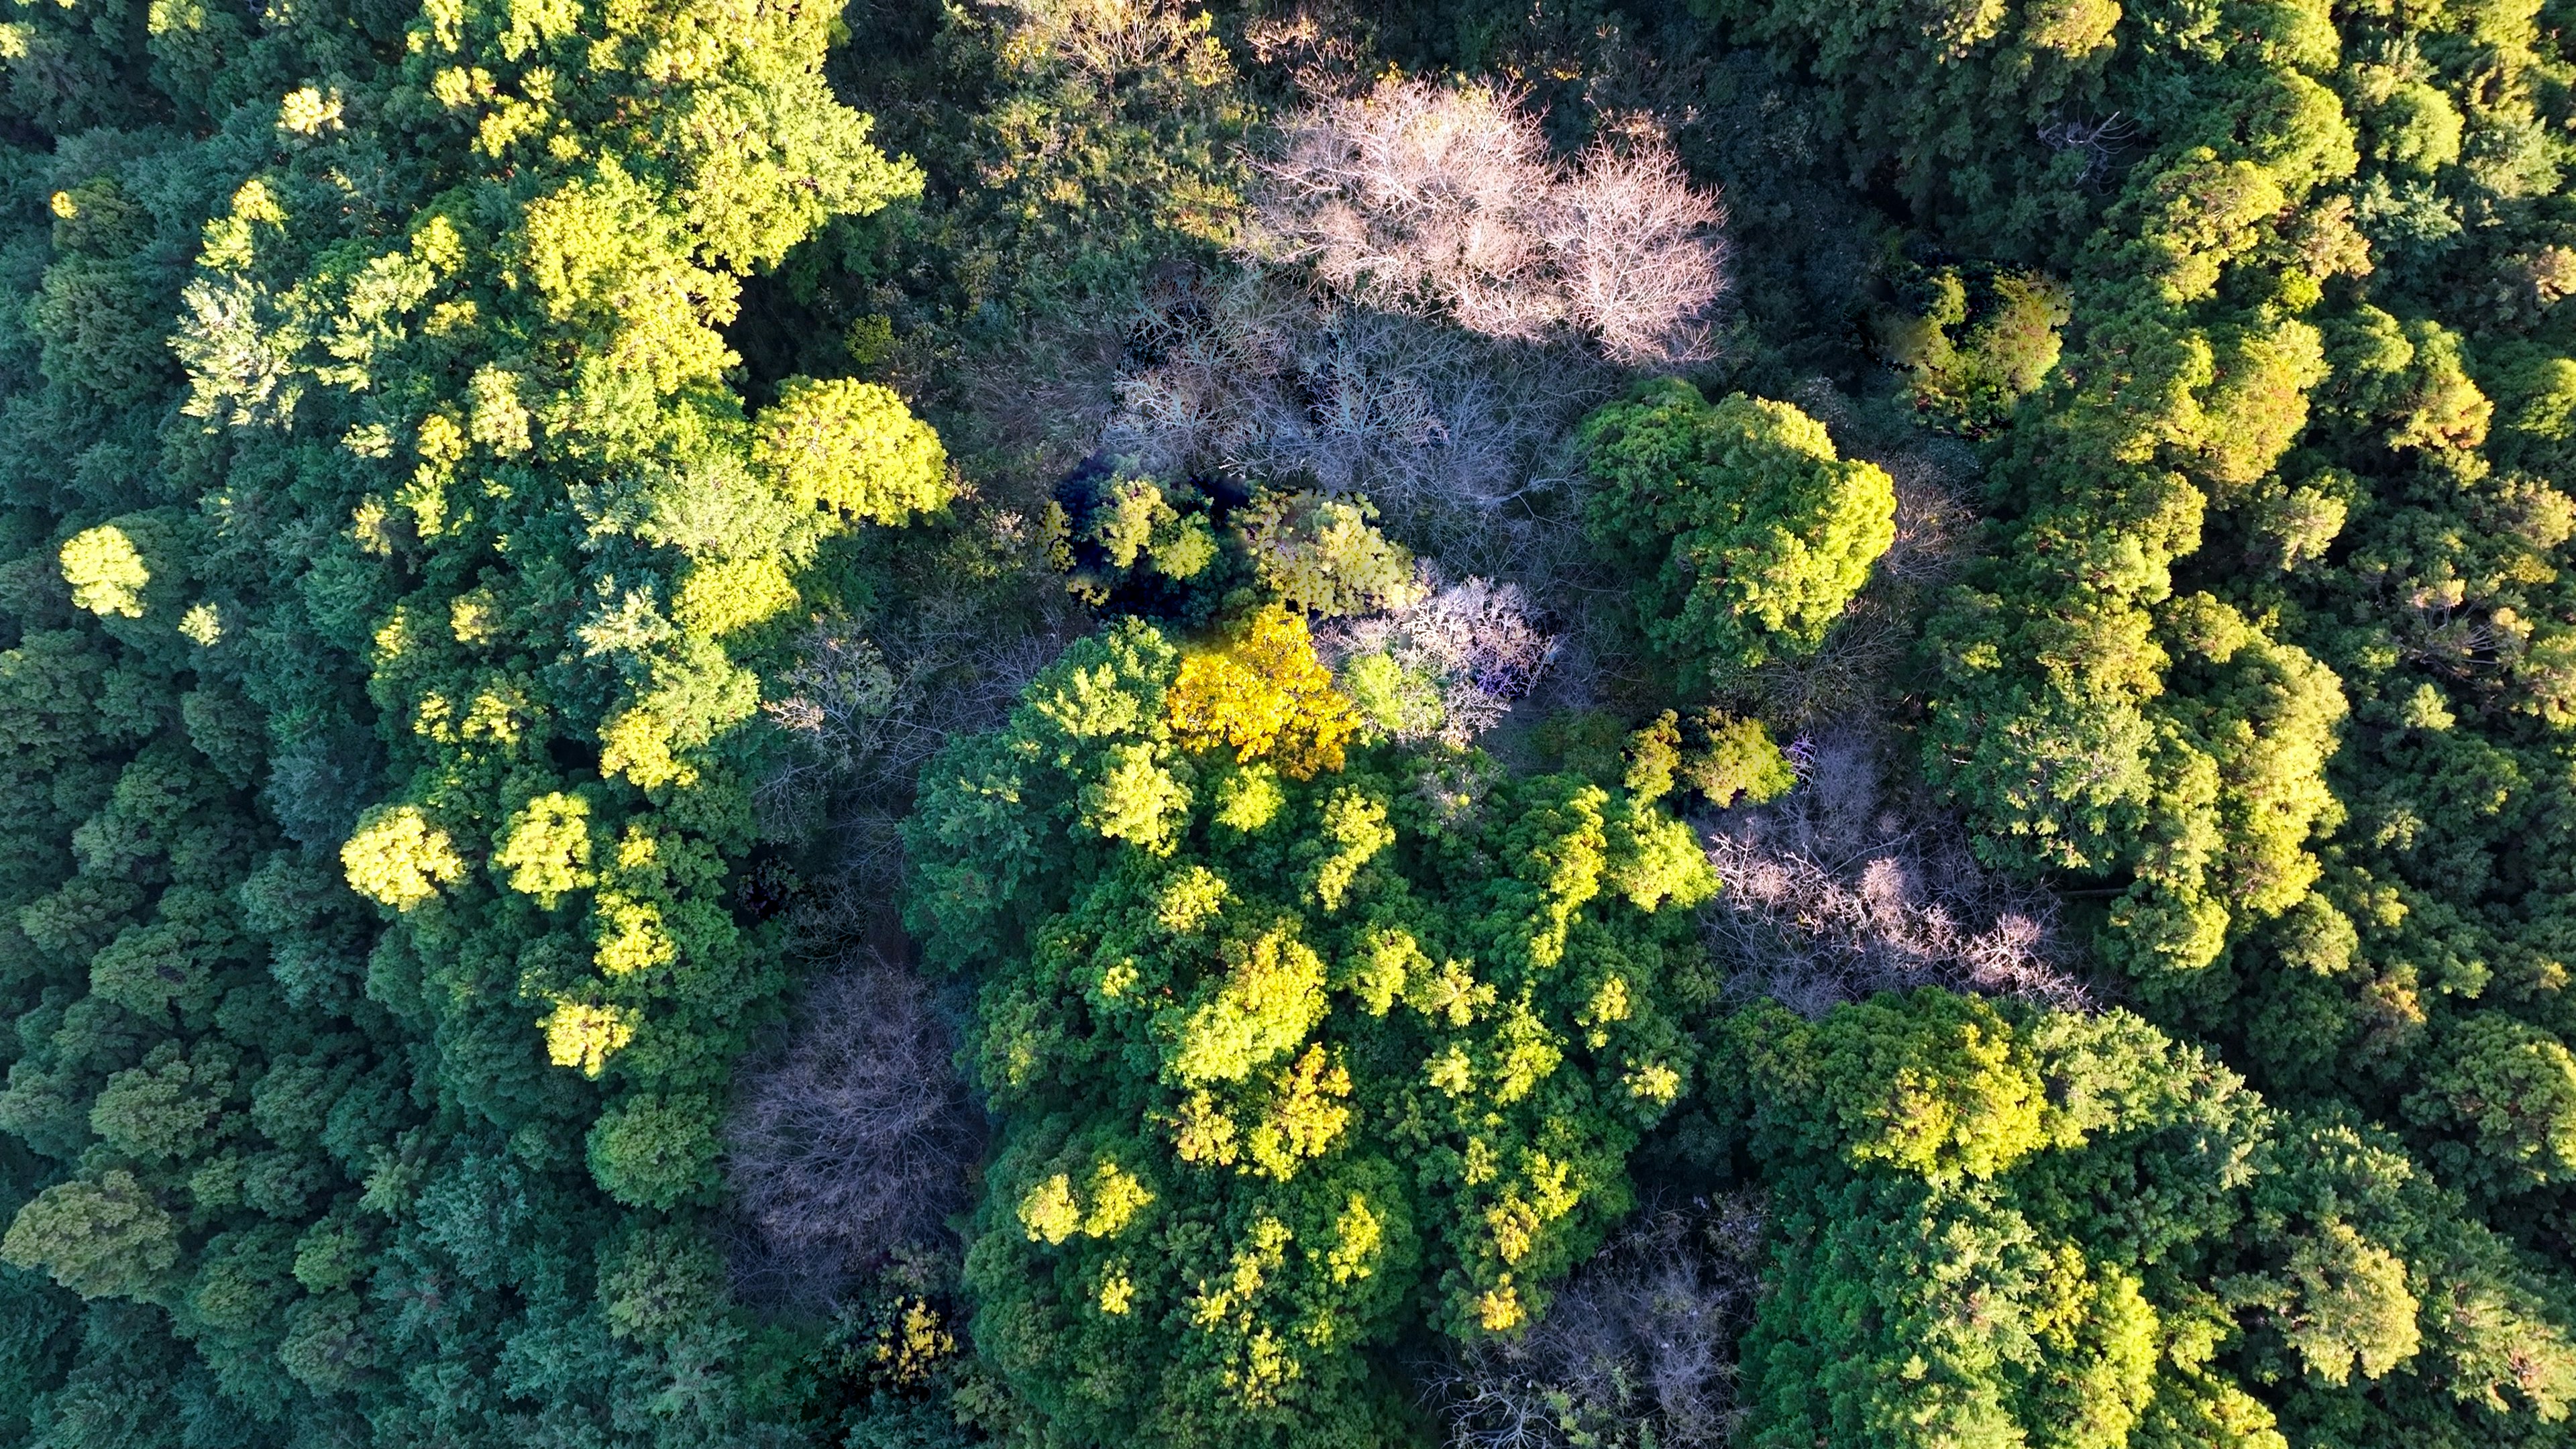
x=1745 y=532
x=1316 y=1059
x=852 y=448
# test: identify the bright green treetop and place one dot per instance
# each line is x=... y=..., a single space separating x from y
x=1744 y=530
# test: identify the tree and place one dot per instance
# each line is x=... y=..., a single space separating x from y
x=855 y=1141
x=1265 y=695
x=2503 y=1101
x=1972 y=381
x=98 y=1238
x=1316 y=1051
x=1419 y=196
x=1320 y=556
x=1745 y=532
x=852 y=448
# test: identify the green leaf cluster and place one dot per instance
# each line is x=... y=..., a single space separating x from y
x=389 y=563
x=1311 y=1063
x=1745 y=533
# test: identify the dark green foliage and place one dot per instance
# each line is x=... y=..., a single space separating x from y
x=2073 y=1231
x=1971 y=364
x=375 y=486
x=438 y=441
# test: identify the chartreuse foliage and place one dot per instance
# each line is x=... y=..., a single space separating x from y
x=1290 y=1054
x=1968 y=370
x=2095 y=714
x=385 y=559
x=1745 y=533
x=1182 y=554
x=2003 y=1227
x=2271 y=645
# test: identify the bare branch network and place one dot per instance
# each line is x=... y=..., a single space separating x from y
x=1424 y=198
x=1475 y=639
x=1835 y=892
x=1426 y=299
x=854 y=1142
x=1637 y=1349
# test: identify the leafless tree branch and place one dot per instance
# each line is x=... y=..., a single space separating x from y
x=1837 y=890
x=1636 y=1349
x=1416 y=197
x=854 y=1139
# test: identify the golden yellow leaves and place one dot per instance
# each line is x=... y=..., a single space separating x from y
x=1358 y=1235
x=545 y=847
x=1261 y=1367
x=1270 y=998
x=1136 y=800
x=1356 y=826
x=1117 y=1292
x=852 y=448
x=1298 y=1115
x=1108 y=1201
x=1249 y=799
x=309 y=111
x=499 y=418
x=630 y=935
x=1266 y=696
x=1966 y=1100
x=397 y=858
x=1654 y=1082
x=1190 y=899
x=547 y=850
x=720 y=597
x=604 y=257
x=1389 y=959
x=106 y=572
x=1305 y=1114
x=1202 y=1132
x=636 y=743
x=473 y=618
x=912 y=1347
x=583 y=1036
x=202 y=625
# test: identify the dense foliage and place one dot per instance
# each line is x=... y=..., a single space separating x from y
x=386 y=552
x=1290 y=1050
x=1746 y=534
x=732 y=723
x=2070 y=1230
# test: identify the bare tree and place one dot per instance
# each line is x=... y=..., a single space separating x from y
x=1840 y=889
x=2097 y=140
x=1475 y=641
x=853 y=1141
x=1428 y=297
x=1636 y=1349
x=1638 y=250
x=1248 y=374
x=1448 y=200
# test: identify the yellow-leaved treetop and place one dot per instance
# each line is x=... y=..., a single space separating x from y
x=586 y=1036
x=1266 y=696
x=397 y=858
x=106 y=572
x=545 y=847
x=852 y=447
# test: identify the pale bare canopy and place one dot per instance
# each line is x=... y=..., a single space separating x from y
x=1426 y=198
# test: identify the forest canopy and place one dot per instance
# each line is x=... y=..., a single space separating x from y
x=1637 y=723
